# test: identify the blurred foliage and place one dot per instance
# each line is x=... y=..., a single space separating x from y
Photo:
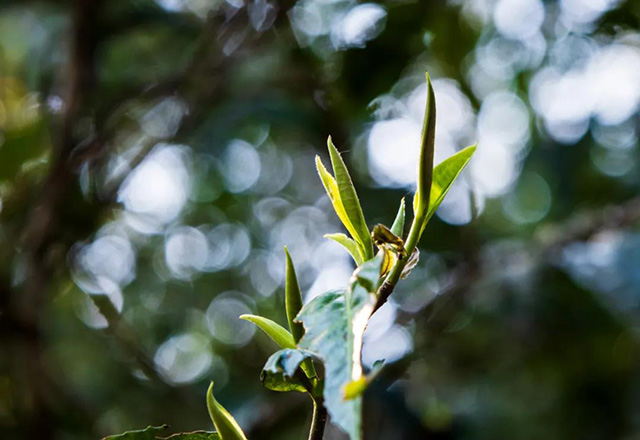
x=156 y=156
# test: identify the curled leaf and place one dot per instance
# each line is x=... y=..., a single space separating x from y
x=383 y=238
x=226 y=425
x=411 y=263
x=281 y=371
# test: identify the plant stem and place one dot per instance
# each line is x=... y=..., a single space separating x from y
x=392 y=279
x=319 y=420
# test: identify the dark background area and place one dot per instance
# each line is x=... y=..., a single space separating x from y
x=156 y=156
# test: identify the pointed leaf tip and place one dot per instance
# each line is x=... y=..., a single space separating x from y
x=293 y=298
x=275 y=331
x=427 y=148
x=350 y=202
x=225 y=424
x=398 y=224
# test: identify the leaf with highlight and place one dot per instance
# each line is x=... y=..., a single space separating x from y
x=334 y=325
x=331 y=187
x=350 y=202
x=398 y=224
x=444 y=175
x=226 y=425
x=350 y=245
x=275 y=331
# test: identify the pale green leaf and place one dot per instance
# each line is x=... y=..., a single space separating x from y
x=149 y=433
x=350 y=245
x=275 y=331
x=444 y=174
x=398 y=224
x=331 y=187
x=279 y=372
x=226 y=425
x=334 y=325
x=350 y=201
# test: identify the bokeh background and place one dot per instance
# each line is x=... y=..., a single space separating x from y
x=156 y=156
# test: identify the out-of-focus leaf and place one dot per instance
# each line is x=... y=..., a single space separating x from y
x=398 y=224
x=425 y=165
x=444 y=175
x=357 y=388
x=334 y=323
x=149 y=433
x=350 y=245
x=350 y=202
x=195 y=435
x=226 y=425
x=293 y=299
x=275 y=331
x=411 y=263
x=279 y=372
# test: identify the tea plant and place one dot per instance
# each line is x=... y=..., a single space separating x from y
x=320 y=353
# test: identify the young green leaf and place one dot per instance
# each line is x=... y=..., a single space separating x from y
x=334 y=323
x=279 y=372
x=357 y=388
x=331 y=187
x=149 y=433
x=444 y=174
x=398 y=224
x=275 y=331
x=226 y=425
x=349 y=244
x=350 y=202
x=293 y=299
x=425 y=164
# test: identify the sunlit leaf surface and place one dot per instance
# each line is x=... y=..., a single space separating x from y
x=334 y=324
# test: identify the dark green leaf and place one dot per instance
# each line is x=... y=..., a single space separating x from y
x=425 y=165
x=149 y=433
x=334 y=323
x=195 y=435
x=279 y=372
x=293 y=299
